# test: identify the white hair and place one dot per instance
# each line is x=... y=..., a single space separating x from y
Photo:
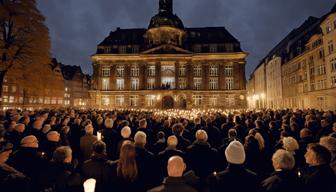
x=172 y=141
x=126 y=132
x=140 y=138
x=109 y=123
x=290 y=144
x=284 y=159
x=201 y=135
x=329 y=143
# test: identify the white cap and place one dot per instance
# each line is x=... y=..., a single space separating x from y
x=235 y=153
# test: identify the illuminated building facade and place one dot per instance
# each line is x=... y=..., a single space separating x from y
x=169 y=66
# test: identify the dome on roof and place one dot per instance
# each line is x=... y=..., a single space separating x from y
x=166 y=19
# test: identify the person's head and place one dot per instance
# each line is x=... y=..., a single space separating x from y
x=46 y=128
x=324 y=123
x=166 y=123
x=89 y=129
x=176 y=166
x=259 y=124
x=140 y=139
x=127 y=166
x=62 y=155
x=143 y=123
x=334 y=127
x=161 y=136
x=172 y=141
x=304 y=133
x=29 y=141
x=197 y=121
x=109 y=123
x=178 y=129
x=53 y=136
x=20 y=128
x=38 y=124
x=330 y=144
x=272 y=124
x=5 y=151
x=201 y=136
x=99 y=147
x=317 y=155
x=235 y=153
x=126 y=132
x=283 y=160
x=232 y=133
x=290 y=144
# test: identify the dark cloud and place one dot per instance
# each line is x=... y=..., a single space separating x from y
x=77 y=26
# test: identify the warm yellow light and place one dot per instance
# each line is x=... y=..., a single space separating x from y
x=89 y=185
x=262 y=96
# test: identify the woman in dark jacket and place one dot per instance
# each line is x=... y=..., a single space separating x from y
x=124 y=172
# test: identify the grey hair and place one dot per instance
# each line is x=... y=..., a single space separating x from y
x=61 y=153
x=284 y=158
x=140 y=138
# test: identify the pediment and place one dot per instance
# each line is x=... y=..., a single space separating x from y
x=166 y=49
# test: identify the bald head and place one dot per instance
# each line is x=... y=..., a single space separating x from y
x=38 y=124
x=172 y=141
x=176 y=166
x=53 y=136
x=201 y=135
x=20 y=128
x=29 y=141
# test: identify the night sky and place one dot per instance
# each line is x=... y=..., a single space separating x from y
x=77 y=26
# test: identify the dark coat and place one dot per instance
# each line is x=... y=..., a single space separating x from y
x=147 y=168
x=173 y=184
x=111 y=137
x=201 y=158
x=98 y=168
x=86 y=143
x=235 y=178
x=12 y=180
x=319 y=178
x=214 y=135
x=59 y=177
x=49 y=147
x=158 y=147
x=182 y=143
x=281 y=181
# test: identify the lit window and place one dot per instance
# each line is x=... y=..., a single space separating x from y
x=135 y=71
x=134 y=84
x=20 y=99
x=330 y=47
x=151 y=70
x=333 y=81
x=53 y=100
x=120 y=84
x=105 y=84
x=182 y=70
x=47 y=100
x=5 y=88
x=230 y=101
x=120 y=71
x=182 y=83
x=106 y=71
x=150 y=83
x=122 y=49
x=150 y=100
x=213 y=71
x=134 y=100
x=105 y=100
x=228 y=83
x=213 y=83
x=328 y=28
x=333 y=64
x=40 y=100
x=59 y=101
x=228 y=70
x=197 y=100
x=197 y=71
x=119 y=100
x=213 y=100
x=197 y=83
x=5 y=98
x=321 y=70
x=13 y=89
x=321 y=102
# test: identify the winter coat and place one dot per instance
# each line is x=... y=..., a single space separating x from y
x=173 y=184
x=86 y=143
x=12 y=180
x=234 y=179
x=111 y=137
x=281 y=181
x=319 y=178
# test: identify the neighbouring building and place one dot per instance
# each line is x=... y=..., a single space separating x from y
x=31 y=89
x=76 y=86
x=301 y=70
x=169 y=66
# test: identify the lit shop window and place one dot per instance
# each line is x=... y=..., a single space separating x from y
x=197 y=100
x=134 y=100
x=150 y=100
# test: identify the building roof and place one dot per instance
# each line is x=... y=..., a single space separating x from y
x=294 y=43
x=333 y=10
x=70 y=71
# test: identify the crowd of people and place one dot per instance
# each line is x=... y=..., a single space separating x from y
x=136 y=151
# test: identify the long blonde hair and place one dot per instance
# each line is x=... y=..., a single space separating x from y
x=127 y=166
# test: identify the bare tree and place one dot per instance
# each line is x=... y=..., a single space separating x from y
x=24 y=39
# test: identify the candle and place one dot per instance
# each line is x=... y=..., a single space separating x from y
x=99 y=136
x=89 y=185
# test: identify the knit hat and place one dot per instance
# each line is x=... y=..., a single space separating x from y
x=235 y=153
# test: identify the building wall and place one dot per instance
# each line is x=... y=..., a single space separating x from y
x=273 y=83
x=183 y=90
